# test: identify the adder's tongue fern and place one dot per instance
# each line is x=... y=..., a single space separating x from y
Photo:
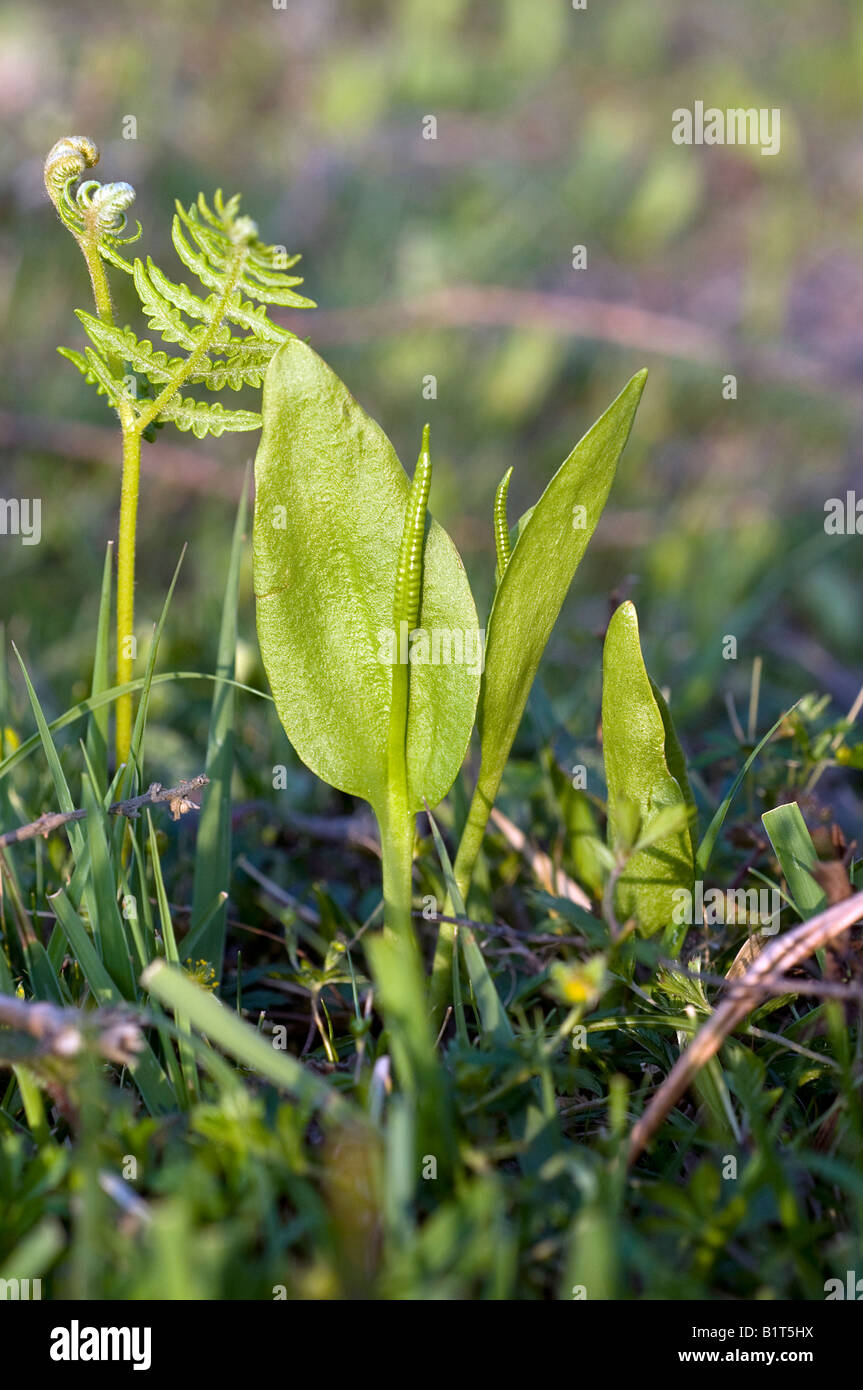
x=224 y=335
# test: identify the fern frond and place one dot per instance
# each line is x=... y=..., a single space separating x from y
x=225 y=332
x=164 y=302
x=205 y=417
x=236 y=309
x=217 y=236
x=246 y=315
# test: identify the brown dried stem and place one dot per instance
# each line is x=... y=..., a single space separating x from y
x=53 y=820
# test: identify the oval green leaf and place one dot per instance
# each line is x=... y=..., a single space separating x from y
x=551 y=540
x=329 y=516
x=638 y=751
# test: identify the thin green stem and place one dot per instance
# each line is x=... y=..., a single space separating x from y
x=128 y=510
x=101 y=289
x=473 y=834
x=397 y=835
x=98 y=279
x=126 y=584
x=400 y=988
x=397 y=824
x=133 y=427
x=469 y=847
x=406 y=1011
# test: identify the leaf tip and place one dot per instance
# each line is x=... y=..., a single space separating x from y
x=626 y=613
x=148 y=975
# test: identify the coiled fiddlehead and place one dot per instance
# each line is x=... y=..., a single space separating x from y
x=95 y=213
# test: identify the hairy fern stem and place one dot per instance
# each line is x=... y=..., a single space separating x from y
x=126 y=539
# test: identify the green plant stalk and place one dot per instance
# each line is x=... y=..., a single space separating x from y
x=98 y=278
x=473 y=834
x=408 y=1022
x=397 y=849
x=467 y=854
x=228 y=249
x=397 y=834
x=128 y=507
x=469 y=846
x=133 y=428
x=397 y=828
x=397 y=970
x=397 y=839
x=129 y=489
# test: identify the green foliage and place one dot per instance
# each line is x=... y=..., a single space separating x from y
x=231 y=1200
x=538 y=575
x=222 y=248
x=797 y=857
x=647 y=805
x=534 y=578
x=213 y=857
x=330 y=509
x=244 y=1187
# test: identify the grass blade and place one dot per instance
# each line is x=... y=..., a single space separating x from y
x=496 y=1027
x=187 y=1059
x=792 y=844
x=213 y=850
x=711 y=835
x=97 y=731
x=101 y=894
x=149 y=1077
x=222 y=1027
x=108 y=697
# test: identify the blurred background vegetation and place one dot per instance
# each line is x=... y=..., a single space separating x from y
x=453 y=258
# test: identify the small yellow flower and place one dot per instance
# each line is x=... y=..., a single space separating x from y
x=579 y=983
x=202 y=972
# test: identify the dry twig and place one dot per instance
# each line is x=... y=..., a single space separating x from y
x=178 y=797
x=115 y=1032
x=788 y=950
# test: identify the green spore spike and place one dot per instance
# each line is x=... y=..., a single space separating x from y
x=406 y=605
x=409 y=572
x=501 y=529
